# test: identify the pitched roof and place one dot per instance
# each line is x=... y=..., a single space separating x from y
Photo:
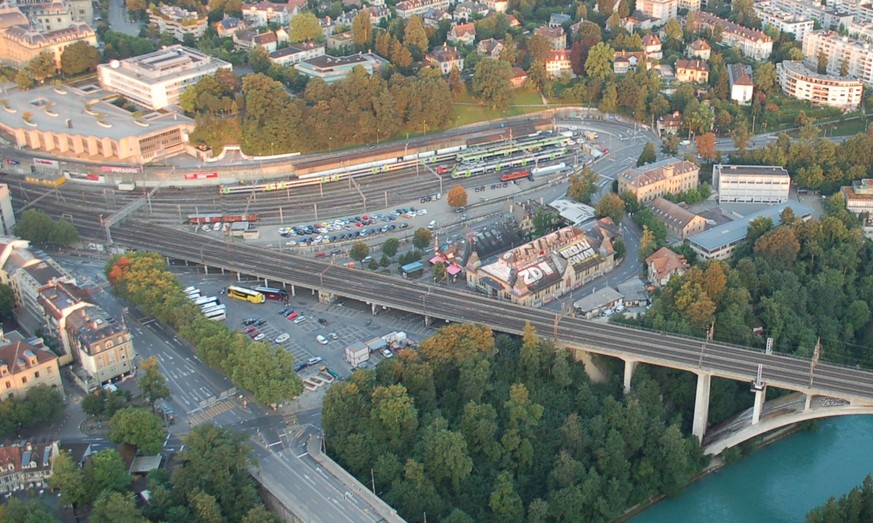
x=738 y=75
x=19 y=356
x=464 y=29
x=694 y=65
x=675 y=215
x=664 y=262
x=648 y=174
x=699 y=45
x=651 y=39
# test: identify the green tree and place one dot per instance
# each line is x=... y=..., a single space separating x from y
x=359 y=251
x=79 y=57
x=23 y=79
x=16 y=510
x=491 y=82
x=152 y=383
x=414 y=34
x=421 y=238
x=611 y=206
x=599 y=62
x=7 y=300
x=305 y=26
x=673 y=32
x=42 y=67
x=138 y=427
x=266 y=371
x=505 y=502
x=259 y=60
x=394 y=417
x=104 y=471
x=648 y=245
x=69 y=479
x=362 y=29
x=670 y=144
x=844 y=66
x=822 y=63
x=649 y=155
x=63 y=233
x=765 y=77
x=583 y=185
x=390 y=247
x=445 y=455
x=34 y=225
x=115 y=507
x=439 y=272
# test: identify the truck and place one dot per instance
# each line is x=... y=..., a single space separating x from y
x=126 y=186
x=590 y=135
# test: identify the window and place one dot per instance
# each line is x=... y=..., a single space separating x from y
x=24 y=379
x=36 y=375
x=8 y=384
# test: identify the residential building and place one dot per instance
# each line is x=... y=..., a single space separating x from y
x=652 y=46
x=663 y=264
x=559 y=19
x=20 y=45
x=698 y=49
x=660 y=9
x=859 y=198
x=102 y=346
x=48 y=16
x=445 y=58
x=250 y=38
x=27 y=274
x=24 y=365
x=433 y=17
x=229 y=26
x=378 y=13
x=861 y=31
x=334 y=68
x=689 y=5
x=837 y=49
x=625 y=61
x=783 y=21
x=490 y=48
x=719 y=243
x=467 y=10
x=296 y=53
x=599 y=302
x=105 y=132
x=25 y=465
x=555 y=35
x=548 y=267
x=753 y=43
x=640 y=21
x=462 y=34
x=263 y=13
x=340 y=41
x=679 y=221
x=498 y=6
x=519 y=77
x=558 y=63
x=742 y=86
x=178 y=22
x=669 y=123
x=751 y=183
x=695 y=71
x=7 y=215
x=668 y=176
x=828 y=16
x=798 y=81
x=157 y=80
x=407 y=8
x=58 y=301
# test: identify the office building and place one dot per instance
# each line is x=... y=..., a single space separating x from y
x=751 y=183
x=335 y=68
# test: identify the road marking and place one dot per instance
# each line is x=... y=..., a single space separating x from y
x=275 y=443
x=300 y=456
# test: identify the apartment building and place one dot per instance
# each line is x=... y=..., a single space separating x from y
x=661 y=9
x=859 y=198
x=555 y=35
x=652 y=46
x=178 y=22
x=102 y=346
x=753 y=43
x=408 y=8
x=695 y=71
x=263 y=13
x=157 y=80
x=334 y=68
x=799 y=81
x=558 y=63
x=27 y=274
x=751 y=183
x=668 y=176
x=828 y=17
x=19 y=45
x=742 y=86
x=663 y=264
x=857 y=54
x=25 y=465
x=699 y=49
x=26 y=364
x=296 y=53
x=796 y=24
x=59 y=300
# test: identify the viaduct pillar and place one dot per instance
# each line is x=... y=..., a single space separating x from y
x=760 y=396
x=629 y=368
x=701 y=405
x=293 y=291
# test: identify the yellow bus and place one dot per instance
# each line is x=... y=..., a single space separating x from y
x=241 y=293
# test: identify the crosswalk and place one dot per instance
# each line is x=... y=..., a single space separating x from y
x=205 y=415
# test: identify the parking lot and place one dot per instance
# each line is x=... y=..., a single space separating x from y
x=349 y=320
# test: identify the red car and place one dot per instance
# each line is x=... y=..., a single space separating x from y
x=254 y=333
x=250 y=330
x=292 y=316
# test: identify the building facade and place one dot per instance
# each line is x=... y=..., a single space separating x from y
x=859 y=198
x=445 y=59
x=157 y=80
x=742 y=86
x=663 y=264
x=296 y=53
x=263 y=13
x=558 y=63
x=7 y=215
x=753 y=43
x=751 y=183
x=660 y=9
x=20 y=45
x=335 y=68
x=101 y=345
x=408 y=8
x=25 y=465
x=178 y=22
x=24 y=365
x=679 y=221
x=696 y=71
x=797 y=25
x=838 y=49
x=798 y=81
x=669 y=176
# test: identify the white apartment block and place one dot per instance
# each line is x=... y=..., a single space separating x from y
x=157 y=80
x=785 y=22
x=407 y=8
x=178 y=22
x=753 y=43
x=856 y=53
x=751 y=183
x=859 y=197
x=861 y=10
x=742 y=86
x=827 y=16
x=660 y=9
x=861 y=31
x=800 y=82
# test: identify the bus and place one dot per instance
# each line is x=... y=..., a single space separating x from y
x=213 y=308
x=273 y=294
x=203 y=300
x=218 y=315
x=241 y=293
x=193 y=295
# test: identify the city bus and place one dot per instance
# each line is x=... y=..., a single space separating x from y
x=241 y=293
x=273 y=294
x=218 y=315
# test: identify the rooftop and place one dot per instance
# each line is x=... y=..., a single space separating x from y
x=598 y=299
x=731 y=27
x=166 y=63
x=738 y=75
x=730 y=233
x=798 y=68
x=695 y=65
x=93 y=325
x=19 y=356
x=671 y=213
x=573 y=211
x=751 y=170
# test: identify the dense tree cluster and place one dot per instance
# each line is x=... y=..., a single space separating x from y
x=854 y=507
x=38 y=227
x=39 y=404
x=266 y=371
x=473 y=428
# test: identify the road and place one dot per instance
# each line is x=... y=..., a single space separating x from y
x=118 y=20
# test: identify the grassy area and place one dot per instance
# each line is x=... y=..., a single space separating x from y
x=469 y=110
x=846 y=127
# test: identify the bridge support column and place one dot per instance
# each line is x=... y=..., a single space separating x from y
x=293 y=291
x=206 y=269
x=808 y=402
x=760 y=396
x=374 y=309
x=701 y=405
x=428 y=320
x=238 y=277
x=629 y=368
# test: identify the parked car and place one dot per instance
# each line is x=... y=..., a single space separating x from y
x=333 y=336
x=260 y=322
x=282 y=338
x=293 y=316
x=321 y=339
x=322 y=321
x=313 y=361
x=163 y=409
x=249 y=321
x=300 y=365
x=299 y=320
x=260 y=336
x=250 y=330
x=387 y=353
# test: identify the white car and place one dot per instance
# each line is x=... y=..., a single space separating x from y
x=333 y=336
x=321 y=339
x=282 y=338
x=217 y=226
x=259 y=337
x=299 y=319
x=313 y=361
x=422 y=212
x=387 y=353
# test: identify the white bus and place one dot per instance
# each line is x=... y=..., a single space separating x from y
x=218 y=315
x=203 y=300
x=193 y=295
x=190 y=289
x=213 y=308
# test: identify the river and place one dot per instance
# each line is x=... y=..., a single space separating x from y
x=779 y=483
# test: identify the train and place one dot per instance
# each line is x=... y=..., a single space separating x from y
x=516 y=176
x=196 y=219
x=468 y=170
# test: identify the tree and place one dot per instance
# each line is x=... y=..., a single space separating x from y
x=104 y=471
x=647 y=243
x=611 y=206
x=259 y=60
x=23 y=79
x=583 y=185
x=305 y=26
x=822 y=63
x=69 y=479
x=79 y=57
x=63 y=233
x=7 y=301
x=390 y=247
x=138 y=427
x=706 y=146
x=491 y=82
x=505 y=502
x=765 y=77
x=42 y=67
x=421 y=238
x=457 y=197
x=599 y=62
x=414 y=34
x=359 y=251
x=649 y=155
x=15 y=510
x=116 y=507
x=34 y=225
x=670 y=144
x=456 y=83
x=538 y=48
x=844 y=66
x=673 y=32
x=362 y=29
x=439 y=272
x=152 y=384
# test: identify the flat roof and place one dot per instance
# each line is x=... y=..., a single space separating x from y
x=734 y=231
x=756 y=170
x=71 y=106
x=573 y=212
x=166 y=63
x=598 y=299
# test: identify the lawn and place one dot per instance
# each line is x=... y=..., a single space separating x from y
x=469 y=110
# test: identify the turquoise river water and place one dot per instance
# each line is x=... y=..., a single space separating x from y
x=779 y=483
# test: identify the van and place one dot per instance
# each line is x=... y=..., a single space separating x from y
x=163 y=409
